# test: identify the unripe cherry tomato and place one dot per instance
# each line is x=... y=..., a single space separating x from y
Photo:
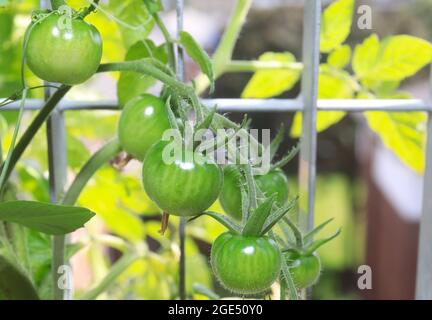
x=274 y=182
x=305 y=269
x=142 y=123
x=245 y=265
x=184 y=187
x=57 y=53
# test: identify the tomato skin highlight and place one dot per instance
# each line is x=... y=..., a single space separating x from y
x=69 y=56
x=305 y=269
x=183 y=187
x=142 y=123
x=274 y=182
x=245 y=265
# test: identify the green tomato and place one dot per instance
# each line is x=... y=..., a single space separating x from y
x=305 y=269
x=56 y=53
x=245 y=265
x=183 y=187
x=142 y=123
x=274 y=182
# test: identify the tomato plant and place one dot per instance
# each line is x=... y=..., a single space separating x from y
x=259 y=249
x=142 y=123
x=59 y=53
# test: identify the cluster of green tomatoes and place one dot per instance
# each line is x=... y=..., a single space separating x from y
x=245 y=259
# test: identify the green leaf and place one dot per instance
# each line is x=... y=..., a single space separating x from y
x=197 y=53
x=153 y=6
x=134 y=20
x=336 y=24
x=254 y=225
x=132 y=84
x=332 y=84
x=403 y=133
x=394 y=59
x=381 y=88
x=310 y=235
x=45 y=217
x=271 y=83
x=14 y=284
x=340 y=57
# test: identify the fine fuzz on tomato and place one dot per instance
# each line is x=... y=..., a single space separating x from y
x=57 y=53
x=245 y=265
x=305 y=269
x=274 y=182
x=142 y=123
x=184 y=187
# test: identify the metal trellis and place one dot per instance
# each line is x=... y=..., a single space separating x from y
x=308 y=104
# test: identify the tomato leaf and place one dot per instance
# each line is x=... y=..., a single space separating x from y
x=134 y=20
x=132 y=84
x=254 y=225
x=336 y=24
x=14 y=284
x=393 y=59
x=271 y=83
x=277 y=140
x=45 y=217
x=340 y=57
x=197 y=53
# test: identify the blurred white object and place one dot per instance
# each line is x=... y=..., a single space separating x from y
x=401 y=186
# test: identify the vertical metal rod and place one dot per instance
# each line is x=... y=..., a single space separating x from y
x=309 y=92
x=182 y=225
x=57 y=166
x=307 y=171
x=424 y=258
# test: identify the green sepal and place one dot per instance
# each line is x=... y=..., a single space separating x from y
x=256 y=221
x=222 y=219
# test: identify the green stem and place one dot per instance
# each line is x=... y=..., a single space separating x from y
x=292 y=290
x=253 y=66
x=147 y=66
x=55 y=4
x=32 y=129
x=102 y=156
x=90 y=8
x=168 y=39
x=6 y=164
x=116 y=270
x=225 y=49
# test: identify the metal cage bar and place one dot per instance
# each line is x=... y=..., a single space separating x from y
x=307 y=103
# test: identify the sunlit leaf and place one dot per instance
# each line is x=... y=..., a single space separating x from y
x=394 y=59
x=340 y=57
x=336 y=24
x=270 y=83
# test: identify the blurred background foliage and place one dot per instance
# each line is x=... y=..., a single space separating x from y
x=123 y=208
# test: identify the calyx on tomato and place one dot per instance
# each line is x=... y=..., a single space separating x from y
x=62 y=50
x=302 y=259
x=142 y=123
x=183 y=187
